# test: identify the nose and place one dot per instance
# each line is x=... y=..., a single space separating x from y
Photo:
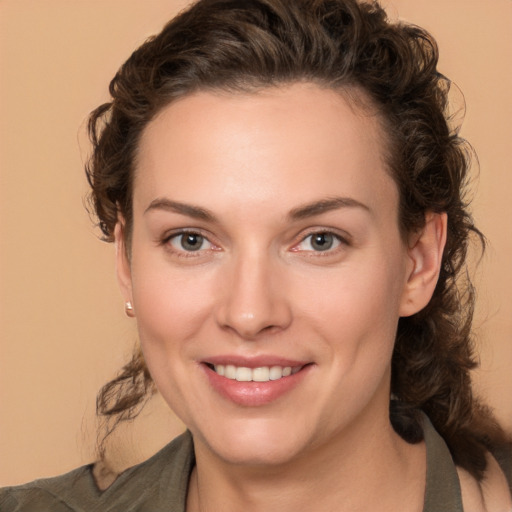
x=254 y=301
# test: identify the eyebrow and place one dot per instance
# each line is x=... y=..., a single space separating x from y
x=325 y=205
x=189 y=210
x=301 y=212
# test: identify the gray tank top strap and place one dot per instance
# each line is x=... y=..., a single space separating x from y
x=442 y=493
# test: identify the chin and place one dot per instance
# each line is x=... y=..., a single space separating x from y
x=254 y=442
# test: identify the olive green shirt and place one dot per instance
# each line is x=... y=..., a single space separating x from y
x=160 y=484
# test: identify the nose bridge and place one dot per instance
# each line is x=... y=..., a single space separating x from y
x=254 y=301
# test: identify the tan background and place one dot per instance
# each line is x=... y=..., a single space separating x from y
x=63 y=332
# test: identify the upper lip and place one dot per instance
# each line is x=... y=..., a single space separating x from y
x=255 y=361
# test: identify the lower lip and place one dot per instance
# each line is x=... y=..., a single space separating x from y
x=253 y=394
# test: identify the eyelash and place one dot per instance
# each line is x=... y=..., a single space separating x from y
x=338 y=240
x=182 y=253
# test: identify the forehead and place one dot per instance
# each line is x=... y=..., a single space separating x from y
x=300 y=139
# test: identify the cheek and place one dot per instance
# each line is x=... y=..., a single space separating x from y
x=172 y=310
x=358 y=295
x=171 y=307
x=355 y=312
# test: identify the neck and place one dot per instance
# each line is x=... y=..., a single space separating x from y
x=369 y=469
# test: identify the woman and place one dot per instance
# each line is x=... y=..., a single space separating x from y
x=286 y=199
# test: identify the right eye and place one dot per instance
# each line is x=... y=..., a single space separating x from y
x=189 y=242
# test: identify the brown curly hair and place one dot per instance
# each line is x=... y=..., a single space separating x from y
x=244 y=45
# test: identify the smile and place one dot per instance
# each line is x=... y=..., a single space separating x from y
x=261 y=374
x=255 y=383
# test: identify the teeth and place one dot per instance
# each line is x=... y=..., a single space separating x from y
x=276 y=372
x=262 y=374
x=230 y=371
x=243 y=374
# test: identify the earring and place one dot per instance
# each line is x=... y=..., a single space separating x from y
x=128 y=309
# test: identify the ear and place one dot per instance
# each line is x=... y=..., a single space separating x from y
x=123 y=269
x=424 y=263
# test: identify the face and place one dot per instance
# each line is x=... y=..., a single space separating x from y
x=267 y=270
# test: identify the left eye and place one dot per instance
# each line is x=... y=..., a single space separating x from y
x=319 y=242
x=189 y=242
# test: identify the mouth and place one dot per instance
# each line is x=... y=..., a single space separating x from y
x=260 y=374
x=257 y=384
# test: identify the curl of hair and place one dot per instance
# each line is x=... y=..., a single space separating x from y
x=245 y=45
x=123 y=398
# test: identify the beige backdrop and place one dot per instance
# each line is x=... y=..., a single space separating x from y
x=63 y=331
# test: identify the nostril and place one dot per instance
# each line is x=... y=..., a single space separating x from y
x=251 y=309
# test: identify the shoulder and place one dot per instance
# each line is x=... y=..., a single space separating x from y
x=152 y=485
x=492 y=494
x=448 y=483
x=43 y=494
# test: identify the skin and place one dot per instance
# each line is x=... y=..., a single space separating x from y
x=251 y=166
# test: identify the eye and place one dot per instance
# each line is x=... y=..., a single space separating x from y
x=189 y=242
x=319 y=242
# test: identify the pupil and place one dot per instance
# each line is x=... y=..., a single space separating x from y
x=191 y=242
x=322 y=241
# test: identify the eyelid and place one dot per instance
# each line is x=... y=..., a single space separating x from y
x=343 y=238
x=173 y=241
x=166 y=239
